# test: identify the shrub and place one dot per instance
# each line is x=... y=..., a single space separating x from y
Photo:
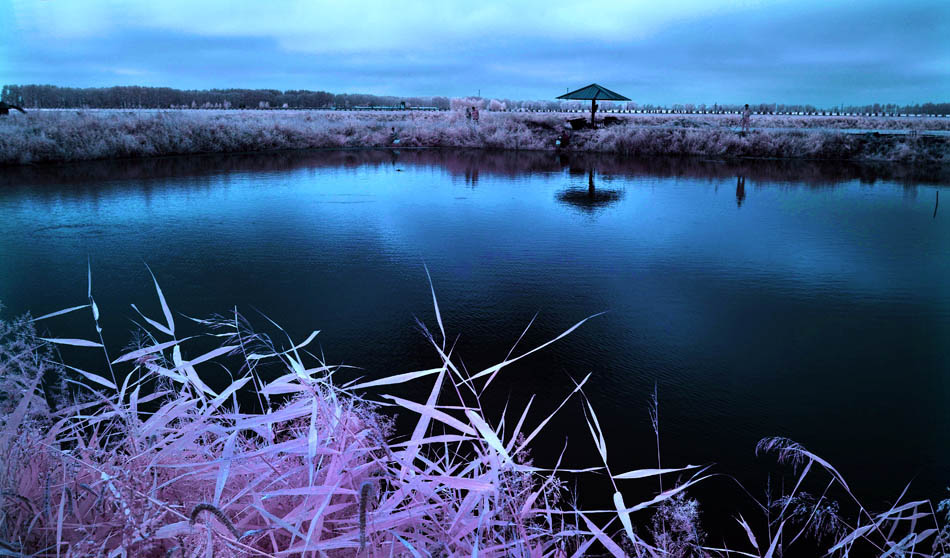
x=52 y=136
x=153 y=462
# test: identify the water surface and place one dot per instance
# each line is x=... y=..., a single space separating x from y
x=795 y=299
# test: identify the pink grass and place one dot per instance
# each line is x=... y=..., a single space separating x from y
x=57 y=136
x=161 y=464
x=154 y=462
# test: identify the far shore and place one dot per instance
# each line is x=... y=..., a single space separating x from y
x=63 y=136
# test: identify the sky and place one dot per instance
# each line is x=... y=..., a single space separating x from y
x=824 y=53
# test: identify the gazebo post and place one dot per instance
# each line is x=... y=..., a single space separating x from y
x=593 y=109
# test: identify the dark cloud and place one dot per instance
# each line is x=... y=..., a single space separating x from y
x=836 y=53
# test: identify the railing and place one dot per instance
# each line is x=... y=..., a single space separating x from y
x=383 y=108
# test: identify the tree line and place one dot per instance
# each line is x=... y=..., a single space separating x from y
x=136 y=97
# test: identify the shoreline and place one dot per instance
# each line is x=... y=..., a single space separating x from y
x=812 y=172
x=42 y=138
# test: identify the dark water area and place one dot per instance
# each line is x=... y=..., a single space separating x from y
x=762 y=298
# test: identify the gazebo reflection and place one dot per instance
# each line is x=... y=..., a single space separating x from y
x=590 y=199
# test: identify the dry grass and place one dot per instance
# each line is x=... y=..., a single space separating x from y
x=145 y=459
x=153 y=462
x=57 y=136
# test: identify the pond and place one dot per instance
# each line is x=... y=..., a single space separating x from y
x=760 y=298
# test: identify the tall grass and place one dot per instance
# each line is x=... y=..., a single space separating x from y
x=57 y=136
x=152 y=461
x=144 y=458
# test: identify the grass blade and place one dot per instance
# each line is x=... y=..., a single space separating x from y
x=644 y=473
x=73 y=342
x=161 y=298
x=435 y=304
x=397 y=379
x=93 y=377
x=60 y=312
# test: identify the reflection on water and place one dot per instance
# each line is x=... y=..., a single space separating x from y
x=819 y=309
x=591 y=198
x=470 y=162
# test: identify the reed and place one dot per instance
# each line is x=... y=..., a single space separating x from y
x=57 y=136
x=304 y=464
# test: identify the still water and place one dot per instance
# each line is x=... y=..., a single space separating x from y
x=760 y=299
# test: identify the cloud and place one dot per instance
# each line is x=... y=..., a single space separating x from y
x=654 y=53
x=324 y=26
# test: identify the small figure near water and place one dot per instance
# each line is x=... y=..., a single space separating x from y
x=475 y=115
x=5 y=108
x=740 y=190
x=746 y=119
x=562 y=140
x=394 y=137
x=468 y=114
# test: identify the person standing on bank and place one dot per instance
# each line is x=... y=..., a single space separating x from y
x=746 y=119
x=468 y=114
x=475 y=114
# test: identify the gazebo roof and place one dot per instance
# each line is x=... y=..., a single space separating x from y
x=594 y=92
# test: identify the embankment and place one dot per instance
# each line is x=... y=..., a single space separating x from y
x=62 y=136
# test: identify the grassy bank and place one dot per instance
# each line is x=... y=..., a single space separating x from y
x=143 y=458
x=59 y=136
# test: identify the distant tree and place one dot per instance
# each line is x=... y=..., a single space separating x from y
x=441 y=102
x=51 y=96
x=460 y=103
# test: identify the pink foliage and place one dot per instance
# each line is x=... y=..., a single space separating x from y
x=159 y=464
x=153 y=462
x=54 y=136
x=462 y=103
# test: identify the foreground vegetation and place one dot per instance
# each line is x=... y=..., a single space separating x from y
x=59 y=136
x=144 y=458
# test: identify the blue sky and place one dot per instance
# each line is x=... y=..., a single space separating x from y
x=805 y=51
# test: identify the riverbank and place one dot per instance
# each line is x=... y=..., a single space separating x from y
x=154 y=455
x=464 y=164
x=63 y=136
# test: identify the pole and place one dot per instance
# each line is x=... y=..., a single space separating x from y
x=593 y=109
